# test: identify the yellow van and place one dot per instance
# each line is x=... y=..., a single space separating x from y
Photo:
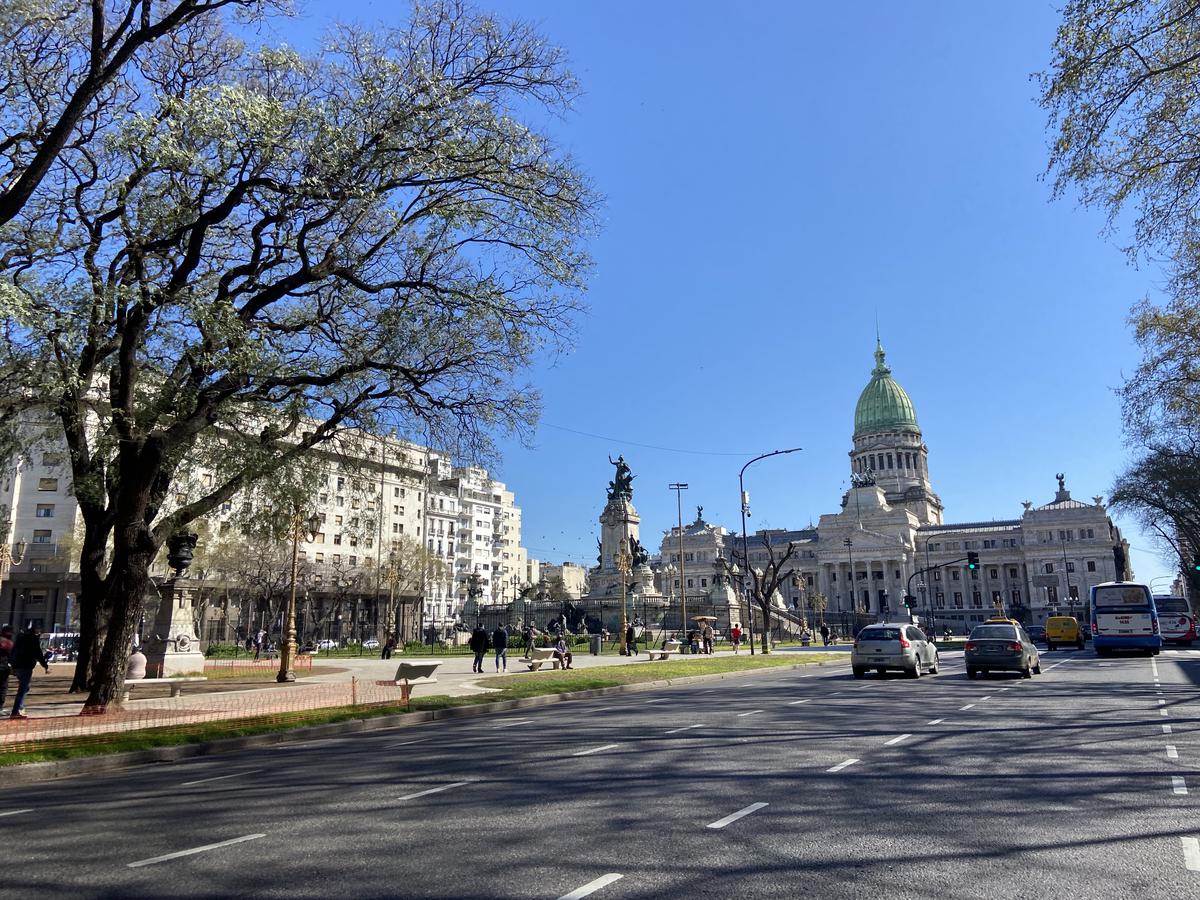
x=1063 y=630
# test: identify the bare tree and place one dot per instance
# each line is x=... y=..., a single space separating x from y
x=765 y=578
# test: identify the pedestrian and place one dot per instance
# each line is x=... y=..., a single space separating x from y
x=693 y=641
x=631 y=640
x=479 y=646
x=561 y=653
x=26 y=653
x=735 y=636
x=388 y=646
x=249 y=643
x=500 y=642
x=6 y=651
x=260 y=643
x=824 y=635
x=530 y=638
x=707 y=635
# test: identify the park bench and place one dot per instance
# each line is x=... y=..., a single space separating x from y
x=176 y=683
x=410 y=673
x=539 y=656
x=663 y=654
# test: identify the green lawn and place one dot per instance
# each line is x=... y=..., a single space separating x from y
x=532 y=684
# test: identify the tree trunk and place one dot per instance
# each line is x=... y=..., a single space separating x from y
x=128 y=580
x=91 y=610
x=764 y=642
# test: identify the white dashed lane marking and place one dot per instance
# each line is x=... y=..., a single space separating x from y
x=595 y=750
x=684 y=728
x=1166 y=729
x=219 y=778
x=591 y=887
x=14 y=812
x=733 y=817
x=436 y=790
x=798 y=702
x=968 y=706
x=935 y=722
x=842 y=765
x=750 y=713
x=1191 y=853
x=194 y=850
x=897 y=739
x=1178 y=785
x=1172 y=753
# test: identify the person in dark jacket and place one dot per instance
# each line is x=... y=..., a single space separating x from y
x=27 y=652
x=6 y=650
x=479 y=646
x=500 y=643
x=631 y=640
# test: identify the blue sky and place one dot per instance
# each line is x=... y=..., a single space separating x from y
x=777 y=176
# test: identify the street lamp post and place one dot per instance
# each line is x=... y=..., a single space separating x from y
x=10 y=555
x=624 y=563
x=670 y=572
x=853 y=587
x=745 y=501
x=679 y=487
x=287 y=659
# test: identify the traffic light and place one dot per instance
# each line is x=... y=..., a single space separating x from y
x=972 y=560
x=1196 y=564
x=910 y=601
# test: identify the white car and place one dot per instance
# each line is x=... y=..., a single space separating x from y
x=371 y=644
x=893 y=645
x=327 y=644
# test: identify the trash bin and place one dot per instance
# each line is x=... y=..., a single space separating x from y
x=594 y=644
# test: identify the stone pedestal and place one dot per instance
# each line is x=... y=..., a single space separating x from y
x=170 y=641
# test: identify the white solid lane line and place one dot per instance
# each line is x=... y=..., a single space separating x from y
x=935 y=722
x=733 y=817
x=437 y=790
x=1172 y=753
x=591 y=887
x=14 y=812
x=798 y=702
x=684 y=728
x=842 y=765
x=1178 y=785
x=968 y=706
x=219 y=778
x=1191 y=853
x=168 y=856
x=511 y=722
x=750 y=713
x=595 y=750
x=897 y=739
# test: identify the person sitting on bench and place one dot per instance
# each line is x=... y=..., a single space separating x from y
x=561 y=653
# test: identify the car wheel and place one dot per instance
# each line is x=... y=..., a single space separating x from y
x=1027 y=672
x=859 y=673
x=915 y=671
x=933 y=670
x=1079 y=646
x=1154 y=653
x=971 y=673
x=1037 y=670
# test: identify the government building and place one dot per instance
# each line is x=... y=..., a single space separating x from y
x=891 y=527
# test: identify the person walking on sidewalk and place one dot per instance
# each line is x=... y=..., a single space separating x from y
x=6 y=651
x=530 y=637
x=735 y=636
x=631 y=640
x=388 y=646
x=479 y=646
x=707 y=634
x=27 y=652
x=824 y=635
x=500 y=642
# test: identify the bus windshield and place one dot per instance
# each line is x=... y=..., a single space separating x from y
x=1172 y=605
x=1116 y=595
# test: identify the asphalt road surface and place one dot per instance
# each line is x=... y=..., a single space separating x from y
x=1081 y=782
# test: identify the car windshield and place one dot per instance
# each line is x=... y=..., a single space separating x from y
x=879 y=634
x=1000 y=632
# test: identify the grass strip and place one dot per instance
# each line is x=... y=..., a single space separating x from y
x=532 y=684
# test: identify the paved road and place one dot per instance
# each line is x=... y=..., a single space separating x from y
x=1079 y=783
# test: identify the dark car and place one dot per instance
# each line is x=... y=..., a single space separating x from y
x=1001 y=647
x=1037 y=633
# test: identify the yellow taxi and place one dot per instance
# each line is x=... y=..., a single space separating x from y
x=1063 y=630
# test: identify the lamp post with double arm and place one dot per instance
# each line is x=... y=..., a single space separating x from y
x=309 y=528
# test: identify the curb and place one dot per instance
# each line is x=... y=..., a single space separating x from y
x=34 y=773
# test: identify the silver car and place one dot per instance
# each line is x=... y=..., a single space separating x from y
x=893 y=645
x=1001 y=646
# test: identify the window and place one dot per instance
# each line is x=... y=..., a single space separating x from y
x=1091 y=566
x=320 y=557
x=339 y=500
x=977 y=600
x=1016 y=598
x=1048 y=568
x=939 y=600
x=47 y=484
x=958 y=600
x=878 y=576
x=41 y=536
x=341 y=483
x=337 y=520
x=970 y=545
x=955 y=575
x=45 y=511
x=996 y=601
x=1070 y=566
x=897 y=574
x=703 y=582
x=937 y=574
x=690 y=584
x=861 y=576
x=1012 y=572
x=337 y=538
x=1090 y=533
x=337 y=558
x=319 y=538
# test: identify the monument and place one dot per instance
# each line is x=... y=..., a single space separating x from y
x=170 y=644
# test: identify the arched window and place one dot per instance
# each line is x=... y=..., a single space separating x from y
x=889 y=460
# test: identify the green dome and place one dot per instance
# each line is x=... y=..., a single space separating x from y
x=883 y=405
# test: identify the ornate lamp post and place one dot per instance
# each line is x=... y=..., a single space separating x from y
x=624 y=564
x=670 y=572
x=10 y=555
x=679 y=487
x=287 y=659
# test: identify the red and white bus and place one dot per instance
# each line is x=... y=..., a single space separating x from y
x=1175 y=620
